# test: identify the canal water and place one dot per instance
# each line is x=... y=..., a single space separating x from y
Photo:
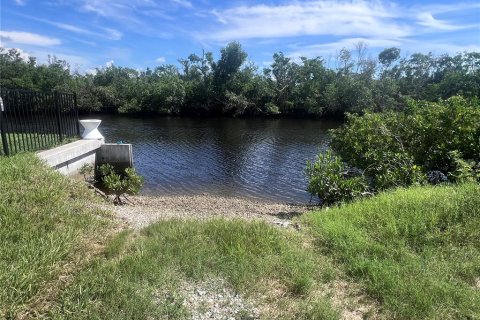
x=255 y=158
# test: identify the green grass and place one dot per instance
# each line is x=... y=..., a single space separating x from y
x=43 y=218
x=417 y=251
x=247 y=255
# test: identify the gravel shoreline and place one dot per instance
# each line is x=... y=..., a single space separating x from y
x=144 y=210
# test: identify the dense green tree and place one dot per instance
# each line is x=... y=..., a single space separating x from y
x=282 y=77
x=313 y=79
x=388 y=56
x=202 y=85
x=225 y=71
x=197 y=78
x=166 y=94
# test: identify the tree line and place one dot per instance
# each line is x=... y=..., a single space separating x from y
x=232 y=85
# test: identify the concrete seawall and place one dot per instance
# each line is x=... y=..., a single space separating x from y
x=69 y=158
x=118 y=155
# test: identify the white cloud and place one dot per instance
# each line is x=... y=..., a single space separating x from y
x=322 y=49
x=160 y=60
x=92 y=71
x=113 y=34
x=109 y=64
x=337 y=18
x=378 y=23
x=119 y=9
x=130 y=13
x=426 y=19
x=123 y=10
x=29 y=38
x=95 y=6
x=107 y=33
x=70 y=27
x=23 y=55
x=183 y=3
x=445 y=8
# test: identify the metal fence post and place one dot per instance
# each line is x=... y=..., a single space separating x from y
x=56 y=103
x=76 y=113
x=3 y=129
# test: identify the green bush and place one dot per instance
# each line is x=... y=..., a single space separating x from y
x=463 y=171
x=433 y=130
x=331 y=180
x=86 y=170
x=395 y=170
x=398 y=148
x=118 y=184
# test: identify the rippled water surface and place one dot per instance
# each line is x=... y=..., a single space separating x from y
x=260 y=158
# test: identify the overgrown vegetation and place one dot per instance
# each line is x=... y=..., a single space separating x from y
x=44 y=222
x=332 y=181
x=427 y=142
x=416 y=250
x=232 y=85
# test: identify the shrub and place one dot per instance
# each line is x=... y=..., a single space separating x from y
x=87 y=171
x=396 y=148
x=432 y=130
x=462 y=171
x=332 y=181
x=394 y=170
x=118 y=184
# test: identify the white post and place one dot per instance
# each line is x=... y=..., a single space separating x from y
x=91 y=129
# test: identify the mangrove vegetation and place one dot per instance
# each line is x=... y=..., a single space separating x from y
x=200 y=84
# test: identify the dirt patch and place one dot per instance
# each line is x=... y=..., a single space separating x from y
x=142 y=210
x=212 y=299
x=350 y=300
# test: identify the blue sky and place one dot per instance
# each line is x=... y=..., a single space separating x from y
x=146 y=33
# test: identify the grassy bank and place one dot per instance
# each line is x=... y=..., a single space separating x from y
x=44 y=223
x=417 y=250
x=414 y=251
x=408 y=254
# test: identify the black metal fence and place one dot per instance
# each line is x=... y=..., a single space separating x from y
x=31 y=120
